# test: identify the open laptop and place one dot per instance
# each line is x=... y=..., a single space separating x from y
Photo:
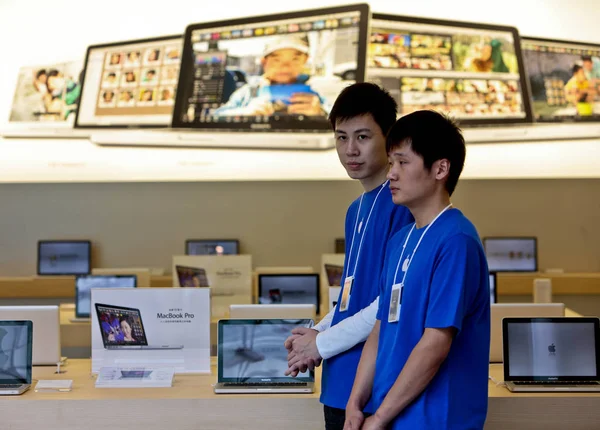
x=499 y=311
x=46 y=330
x=252 y=359
x=212 y=247
x=554 y=67
x=122 y=328
x=129 y=84
x=272 y=311
x=263 y=81
x=16 y=339
x=293 y=289
x=83 y=291
x=64 y=257
x=511 y=254
x=551 y=354
x=191 y=277
x=45 y=102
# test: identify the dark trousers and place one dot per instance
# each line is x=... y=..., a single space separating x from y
x=334 y=418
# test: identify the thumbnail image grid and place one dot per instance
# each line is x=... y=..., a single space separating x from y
x=138 y=78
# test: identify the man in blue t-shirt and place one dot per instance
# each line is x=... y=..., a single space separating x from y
x=425 y=364
x=360 y=117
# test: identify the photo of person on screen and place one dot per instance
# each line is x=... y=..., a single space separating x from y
x=579 y=91
x=126 y=328
x=490 y=59
x=62 y=94
x=283 y=88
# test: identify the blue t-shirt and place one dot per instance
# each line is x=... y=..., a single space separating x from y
x=386 y=219
x=447 y=285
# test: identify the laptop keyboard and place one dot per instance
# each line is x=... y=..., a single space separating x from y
x=263 y=384
x=556 y=383
x=9 y=386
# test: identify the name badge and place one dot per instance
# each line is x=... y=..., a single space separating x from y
x=346 y=292
x=395 y=303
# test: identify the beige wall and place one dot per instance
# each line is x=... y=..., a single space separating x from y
x=279 y=223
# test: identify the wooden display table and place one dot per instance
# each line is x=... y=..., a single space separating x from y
x=191 y=404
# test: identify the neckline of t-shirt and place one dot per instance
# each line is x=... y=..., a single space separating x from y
x=422 y=229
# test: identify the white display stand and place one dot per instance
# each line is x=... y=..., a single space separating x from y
x=229 y=278
x=135 y=377
x=170 y=327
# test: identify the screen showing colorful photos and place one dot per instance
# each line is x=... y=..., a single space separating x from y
x=470 y=74
x=121 y=326
x=564 y=79
x=270 y=74
x=131 y=84
x=48 y=93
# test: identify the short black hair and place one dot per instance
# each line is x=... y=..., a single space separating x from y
x=434 y=137
x=112 y=75
x=40 y=73
x=586 y=58
x=576 y=68
x=362 y=99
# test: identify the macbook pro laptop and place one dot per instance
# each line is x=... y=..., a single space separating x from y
x=191 y=277
x=252 y=358
x=129 y=84
x=46 y=330
x=64 y=257
x=83 y=291
x=551 y=354
x=511 y=254
x=45 y=102
x=122 y=328
x=293 y=289
x=262 y=81
x=272 y=311
x=16 y=338
x=499 y=311
x=212 y=247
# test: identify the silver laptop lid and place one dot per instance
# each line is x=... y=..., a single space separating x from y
x=289 y=288
x=46 y=319
x=551 y=349
x=16 y=350
x=252 y=351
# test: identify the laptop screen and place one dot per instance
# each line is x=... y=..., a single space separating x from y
x=473 y=72
x=47 y=94
x=120 y=325
x=551 y=349
x=493 y=291
x=64 y=257
x=191 y=277
x=253 y=351
x=212 y=247
x=130 y=83
x=511 y=254
x=564 y=78
x=275 y=72
x=84 y=285
x=302 y=289
x=15 y=352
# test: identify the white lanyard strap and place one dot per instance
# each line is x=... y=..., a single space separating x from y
x=364 y=229
x=416 y=247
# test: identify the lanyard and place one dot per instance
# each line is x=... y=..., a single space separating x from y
x=364 y=229
x=416 y=247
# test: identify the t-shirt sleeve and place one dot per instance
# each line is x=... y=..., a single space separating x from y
x=455 y=281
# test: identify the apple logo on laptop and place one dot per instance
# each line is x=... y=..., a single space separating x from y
x=552 y=349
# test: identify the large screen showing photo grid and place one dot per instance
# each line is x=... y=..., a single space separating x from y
x=131 y=84
x=270 y=73
x=564 y=79
x=467 y=73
